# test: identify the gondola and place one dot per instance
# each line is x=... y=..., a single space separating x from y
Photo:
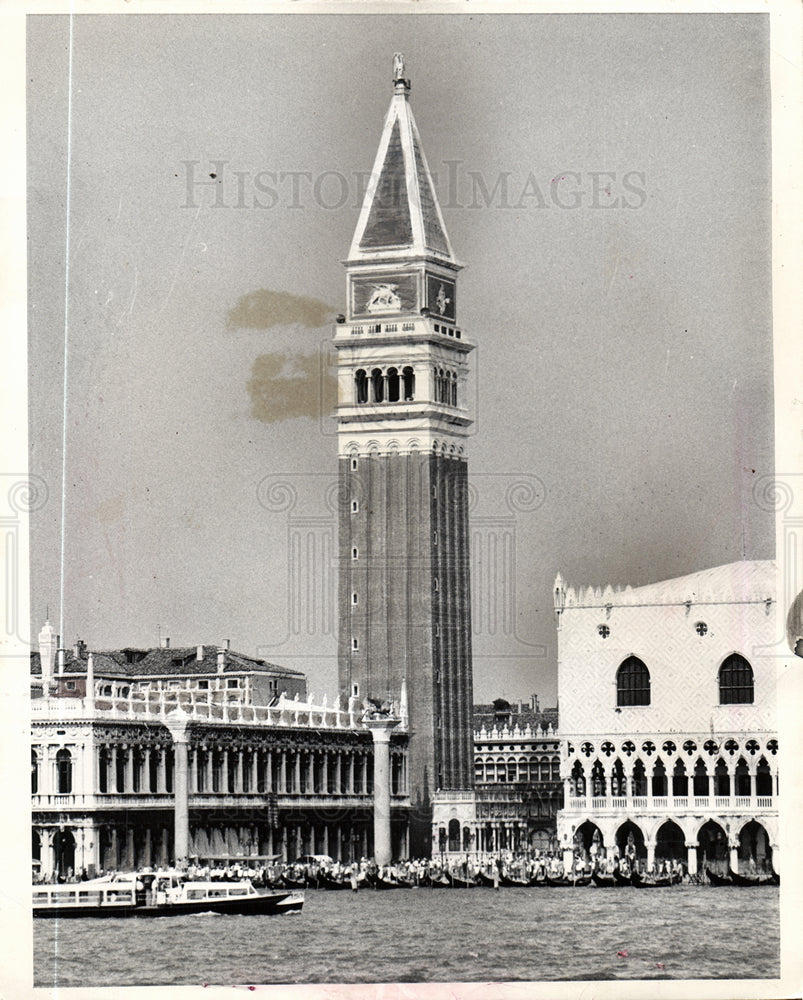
x=294 y=883
x=377 y=882
x=439 y=882
x=775 y=878
x=483 y=878
x=327 y=882
x=746 y=880
x=621 y=879
x=405 y=883
x=513 y=883
x=717 y=880
x=458 y=882
x=537 y=881
x=660 y=882
x=568 y=883
x=603 y=881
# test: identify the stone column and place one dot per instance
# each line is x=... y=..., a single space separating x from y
x=224 y=772
x=381 y=728
x=325 y=775
x=161 y=772
x=111 y=778
x=734 y=856
x=194 y=772
x=177 y=724
x=238 y=771
x=650 y=845
x=254 y=771
x=691 y=857
x=210 y=769
x=88 y=770
x=296 y=772
x=129 y=769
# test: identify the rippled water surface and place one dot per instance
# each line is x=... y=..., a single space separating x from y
x=426 y=935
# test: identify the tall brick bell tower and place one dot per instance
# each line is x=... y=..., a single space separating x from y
x=404 y=589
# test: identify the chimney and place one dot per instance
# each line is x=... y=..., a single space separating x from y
x=221 y=660
x=199 y=653
x=165 y=642
x=228 y=645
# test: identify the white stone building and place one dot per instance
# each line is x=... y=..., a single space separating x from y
x=667 y=697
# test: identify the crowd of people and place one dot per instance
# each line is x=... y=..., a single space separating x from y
x=415 y=871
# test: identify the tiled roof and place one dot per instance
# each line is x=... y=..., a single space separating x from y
x=130 y=662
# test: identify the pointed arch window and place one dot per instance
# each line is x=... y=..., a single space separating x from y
x=632 y=683
x=736 y=681
x=34 y=772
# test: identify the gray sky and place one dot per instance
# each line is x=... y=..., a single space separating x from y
x=624 y=358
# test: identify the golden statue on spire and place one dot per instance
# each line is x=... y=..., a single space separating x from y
x=398 y=68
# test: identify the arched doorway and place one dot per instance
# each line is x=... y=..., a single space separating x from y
x=670 y=843
x=64 y=853
x=630 y=842
x=755 y=853
x=454 y=835
x=712 y=848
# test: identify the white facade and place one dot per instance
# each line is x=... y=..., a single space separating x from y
x=667 y=697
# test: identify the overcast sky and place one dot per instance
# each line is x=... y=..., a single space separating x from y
x=617 y=286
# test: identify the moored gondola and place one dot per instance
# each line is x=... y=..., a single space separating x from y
x=621 y=879
x=513 y=883
x=718 y=880
x=294 y=883
x=603 y=881
x=439 y=882
x=328 y=882
x=483 y=878
x=749 y=880
x=377 y=882
x=568 y=883
x=652 y=882
x=458 y=882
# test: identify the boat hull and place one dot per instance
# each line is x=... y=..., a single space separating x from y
x=260 y=905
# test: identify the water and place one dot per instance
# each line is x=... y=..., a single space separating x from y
x=426 y=935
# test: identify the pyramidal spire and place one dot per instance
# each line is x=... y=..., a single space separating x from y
x=400 y=214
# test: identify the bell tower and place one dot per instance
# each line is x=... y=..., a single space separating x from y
x=402 y=361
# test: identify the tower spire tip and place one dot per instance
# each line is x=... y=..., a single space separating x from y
x=400 y=84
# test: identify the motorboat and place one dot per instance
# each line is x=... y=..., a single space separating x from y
x=158 y=895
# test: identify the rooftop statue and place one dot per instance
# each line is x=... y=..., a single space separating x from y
x=398 y=67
